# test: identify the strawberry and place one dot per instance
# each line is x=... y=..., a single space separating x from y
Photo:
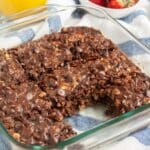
x=117 y=3
x=99 y=2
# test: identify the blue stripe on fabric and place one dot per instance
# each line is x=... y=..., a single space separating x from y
x=26 y=35
x=82 y=123
x=79 y=13
x=143 y=136
x=4 y=144
x=77 y=1
x=146 y=41
x=131 y=48
x=132 y=16
x=54 y=23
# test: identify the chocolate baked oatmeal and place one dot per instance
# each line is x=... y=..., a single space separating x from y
x=25 y=110
x=44 y=81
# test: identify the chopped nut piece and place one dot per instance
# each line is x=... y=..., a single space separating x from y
x=116 y=91
x=42 y=94
x=16 y=136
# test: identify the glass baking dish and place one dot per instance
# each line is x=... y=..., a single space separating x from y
x=57 y=16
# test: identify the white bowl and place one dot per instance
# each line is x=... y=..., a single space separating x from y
x=115 y=13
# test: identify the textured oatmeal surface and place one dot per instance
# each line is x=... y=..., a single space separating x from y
x=43 y=81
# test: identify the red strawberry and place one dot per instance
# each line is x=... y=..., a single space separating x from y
x=117 y=3
x=99 y=2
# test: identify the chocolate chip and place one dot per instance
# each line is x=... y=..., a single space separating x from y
x=68 y=78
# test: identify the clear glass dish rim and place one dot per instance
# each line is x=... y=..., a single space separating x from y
x=98 y=127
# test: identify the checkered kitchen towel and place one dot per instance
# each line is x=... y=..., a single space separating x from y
x=138 y=22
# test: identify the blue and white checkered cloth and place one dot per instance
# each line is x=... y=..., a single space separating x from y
x=137 y=22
